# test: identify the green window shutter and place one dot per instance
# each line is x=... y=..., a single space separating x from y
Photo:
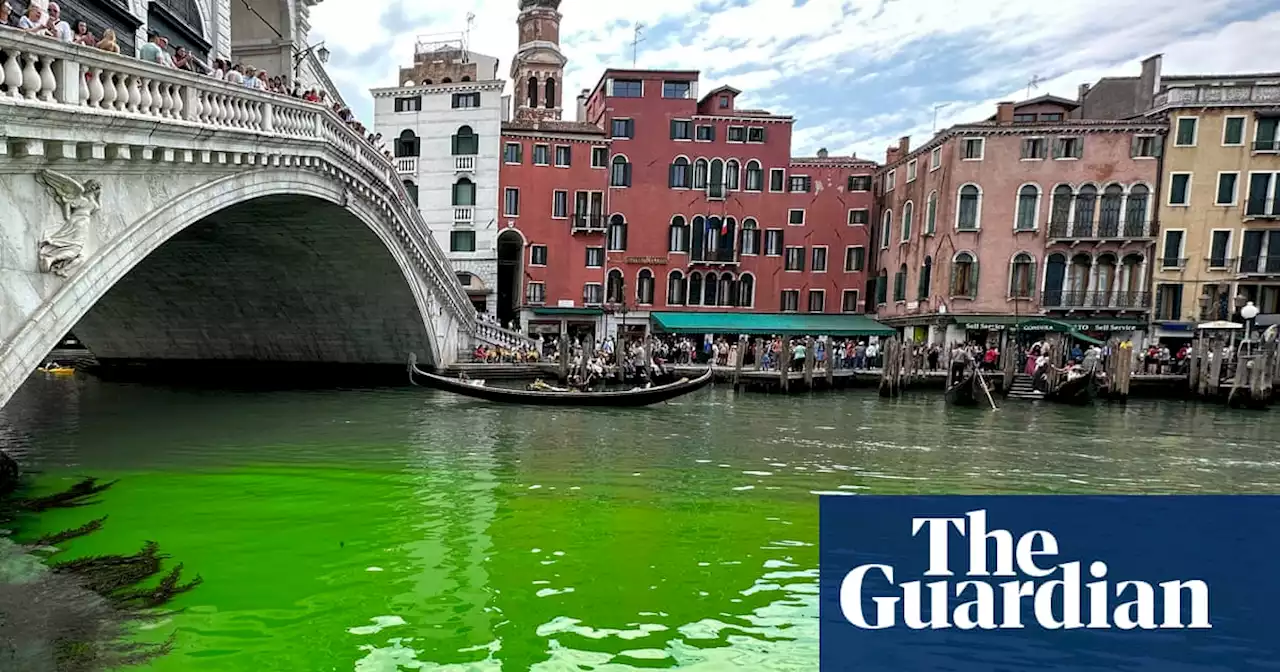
x=955 y=277
x=973 y=279
x=453 y=144
x=1031 y=275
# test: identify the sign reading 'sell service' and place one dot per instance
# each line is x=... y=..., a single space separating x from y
x=1062 y=583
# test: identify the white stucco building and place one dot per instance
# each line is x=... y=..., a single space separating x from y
x=444 y=125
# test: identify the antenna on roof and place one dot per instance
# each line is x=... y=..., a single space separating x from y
x=635 y=41
x=1033 y=84
x=937 y=107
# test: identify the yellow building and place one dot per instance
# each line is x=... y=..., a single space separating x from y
x=1219 y=212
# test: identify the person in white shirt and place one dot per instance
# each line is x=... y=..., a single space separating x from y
x=59 y=28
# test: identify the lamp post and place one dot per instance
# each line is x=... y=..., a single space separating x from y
x=320 y=51
x=1249 y=312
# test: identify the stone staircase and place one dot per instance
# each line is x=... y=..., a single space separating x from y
x=1022 y=389
x=493 y=335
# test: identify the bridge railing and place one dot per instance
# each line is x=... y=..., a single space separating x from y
x=39 y=72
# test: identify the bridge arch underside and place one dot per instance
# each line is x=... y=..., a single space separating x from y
x=278 y=279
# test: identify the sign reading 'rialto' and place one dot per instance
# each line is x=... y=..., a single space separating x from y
x=1065 y=583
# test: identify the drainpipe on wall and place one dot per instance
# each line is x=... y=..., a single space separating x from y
x=1155 y=244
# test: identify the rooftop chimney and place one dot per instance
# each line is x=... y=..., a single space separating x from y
x=1150 y=83
x=904 y=145
x=1082 y=92
x=892 y=154
x=1004 y=112
x=822 y=152
x=582 y=104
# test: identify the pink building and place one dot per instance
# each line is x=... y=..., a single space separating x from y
x=1030 y=213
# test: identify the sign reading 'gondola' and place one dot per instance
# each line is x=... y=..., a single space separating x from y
x=1064 y=583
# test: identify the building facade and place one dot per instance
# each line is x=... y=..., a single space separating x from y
x=1033 y=212
x=444 y=124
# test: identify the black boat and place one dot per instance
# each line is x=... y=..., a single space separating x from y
x=1079 y=391
x=967 y=390
x=558 y=396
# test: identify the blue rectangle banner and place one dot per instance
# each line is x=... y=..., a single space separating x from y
x=1065 y=583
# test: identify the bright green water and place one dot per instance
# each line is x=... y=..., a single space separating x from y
x=403 y=529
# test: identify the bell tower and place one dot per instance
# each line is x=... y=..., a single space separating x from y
x=537 y=71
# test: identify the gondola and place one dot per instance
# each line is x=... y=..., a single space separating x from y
x=967 y=391
x=1080 y=391
x=558 y=397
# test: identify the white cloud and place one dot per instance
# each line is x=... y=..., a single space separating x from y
x=856 y=78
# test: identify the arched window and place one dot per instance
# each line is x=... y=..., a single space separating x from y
x=746 y=291
x=725 y=291
x=446 y=80
x=1086 y=199
x=1135 y=215
x=426 y=82
x=931 y=214
x=697 y=237
x=1028 y=208
x=1055 y=273
x=710 y=240
x=724 y=243
x=620 y=174
x=466 y=142
x=617 y=236
x=1060 y=211
x=964 y=275
x=464 y=192
x=644 y=287
x=1022 y=276
x=465 y=78
x=549 y=94
x=700 y=174
x=406 y=144
x=1104 y=282
x=750 y=237
x=710 y=284
x=678 y=239
x=926 y=278
x=695 y=289
x=731 y=173
x=412 y=190
x=715 y=187
x=679 y=177
x=908 y=211
x=613 y=287
x=755 y=176
x=1109 y=213
x=532 y=92
x=900 y=284
x=970 y=207
x=676 y=288
x=886 y=229
x=1078 y=278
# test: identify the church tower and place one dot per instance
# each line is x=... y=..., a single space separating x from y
x=537 y=71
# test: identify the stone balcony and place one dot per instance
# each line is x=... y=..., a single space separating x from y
x=1198 y=96
x=1095 y=300
x=406 y=165
x=1102 y=231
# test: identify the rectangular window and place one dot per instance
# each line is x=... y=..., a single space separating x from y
x=1227 y=184
x=681 y=129
x=1185 y=135
x=537 y=255
x=462 y=101
x=935 y=158
x=564 y=154
x=790 y=301
x=535 y=293
x=1144 y=147
x=511 y=202
x=859 y=217
x=409 y=104
x=859 y=183
x=911 y=170
x=1023 y=118
x=724 y=102
x=462 y=241
x=541 y=155
x=1264 y=195
x=592 y=294
x=599 y=157
x=706 y=134
x=1179 y=188
x=1266 y=134
x=777 y=179
x=818 y=259
x=891 y=180
x=795 y=259
x=973 y=148
x=560 y=204
x=595 y=257
x=1051 y=116
x=511 y=152
x=755 y=134
x=817 y=300
x=1169 y=302
x=1033 y=148
x=623 y=128
x=737 y=134
x=674 y=89
x=799 y=183
x=854 y=258
x=1219 y=248
x=773 y=243
x=849 y=301
x=628 y=88
x=1233 y=131
x=1068 y=148
x=1172 y=257
x=795 y=217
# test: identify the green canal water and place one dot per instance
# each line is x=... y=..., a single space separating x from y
x=410 y=530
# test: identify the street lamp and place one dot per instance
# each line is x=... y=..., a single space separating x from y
x=322 y=54
x=1249 y=312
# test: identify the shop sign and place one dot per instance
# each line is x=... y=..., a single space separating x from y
x=661 y=261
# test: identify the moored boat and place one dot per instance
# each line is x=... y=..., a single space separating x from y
x=1080 y=390
x=967 y=390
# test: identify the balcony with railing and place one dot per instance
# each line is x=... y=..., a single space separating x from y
x=1266 y=145
x=1105 y=230
x=1220 y=263
x=588 y=223
x=720 y=256
x=406 y=165
x=1196 y=96
x=1172 y=263
x=464 y=164
x=1095 y=300
x=463 y=215
x=1259 y=264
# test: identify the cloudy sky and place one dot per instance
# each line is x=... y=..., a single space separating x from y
x=856 y=74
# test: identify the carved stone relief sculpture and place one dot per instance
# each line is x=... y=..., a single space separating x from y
x=62 y=250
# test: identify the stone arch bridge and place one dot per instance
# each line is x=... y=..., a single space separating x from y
x=163 y=215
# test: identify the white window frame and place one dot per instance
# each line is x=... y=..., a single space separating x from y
x=912 y=166
x=982 y=144
x=555 y=155
x=770 y=185
x=891 y=180
x=605 y=164
x=977 y=216
x=568 y=205
x=935 y=158
x=849 y=217
x=1208 y=255
x=1195 y=135
x=1235 y=192
x=1164 y=253
x=1168 y=199
x=530 y=286
x=727 y=133
x=847 y=249
x=546 y=252
x=585 y=285
x=904 y=222
x=826 y=258
x=786 y=254
x=765 y=243
x=1044 y=149
x=1273 y=191
x=1017 y=205
x=519 y=151
x=616 y=138
x=1244 y=130
x=603 y=256
x=799 y=210
x=808 y=301
x=534 y=158
x=506 y=191
x=1155 y=149
x=857 y=301
x=783 y=293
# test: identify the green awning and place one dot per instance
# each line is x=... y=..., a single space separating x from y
x=559 y=311
x=995 y=322
x=769 y=324
x=1046 y=324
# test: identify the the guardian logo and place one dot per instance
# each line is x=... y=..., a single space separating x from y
x=1004 y=577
